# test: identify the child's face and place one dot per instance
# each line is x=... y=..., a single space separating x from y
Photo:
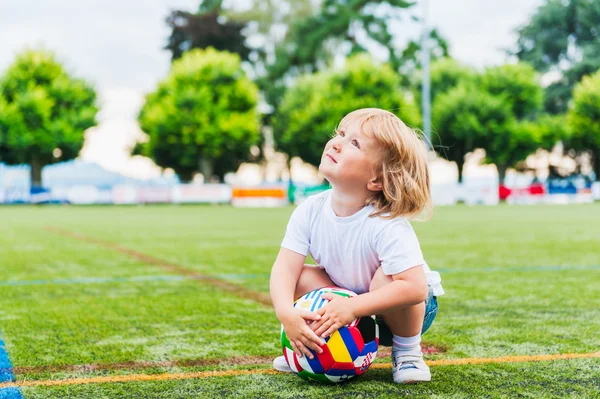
x=349 y=158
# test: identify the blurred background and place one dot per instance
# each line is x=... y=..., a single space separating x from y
x=187 y=101
x=231 y=102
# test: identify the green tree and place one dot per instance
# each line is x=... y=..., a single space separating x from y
x=584 y=118
x=445 y=74
x=252 y=32
x=339 y=28
x=313 y=107
x=551 y=129
x=467 y=117
x=266 y=23
x=517 y=85
x=202 y=117
x=510 y=144
x=9 y=117
x=562 y=36
x=206 y=28
x=42 y=109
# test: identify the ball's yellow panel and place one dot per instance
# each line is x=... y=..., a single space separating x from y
x=338 y=350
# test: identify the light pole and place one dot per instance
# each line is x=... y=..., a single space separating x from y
x=425 y=87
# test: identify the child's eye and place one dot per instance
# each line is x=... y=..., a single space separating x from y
x=355 y=143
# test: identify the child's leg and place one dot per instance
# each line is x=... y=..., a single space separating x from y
x=405 y=322
x=311 y=278
x=405 y=325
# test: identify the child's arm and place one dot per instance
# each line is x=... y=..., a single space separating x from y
x=408 y=288
x=284 y=277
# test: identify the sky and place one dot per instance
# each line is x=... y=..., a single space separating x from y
x=118 y=47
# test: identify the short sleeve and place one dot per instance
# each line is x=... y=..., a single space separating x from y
x=297 y=234
x=398 y=247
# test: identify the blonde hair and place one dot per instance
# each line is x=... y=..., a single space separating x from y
x=401 y=165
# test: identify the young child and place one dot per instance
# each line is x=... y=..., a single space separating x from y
x=359 y=235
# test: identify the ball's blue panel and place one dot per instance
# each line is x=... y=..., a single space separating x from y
x=369 y=347
x=315 y=364
x=351 y=345
x=340 y=369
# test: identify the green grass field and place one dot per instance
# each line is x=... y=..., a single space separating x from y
x=126 y=292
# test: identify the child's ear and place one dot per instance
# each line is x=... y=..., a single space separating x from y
x=375 y=184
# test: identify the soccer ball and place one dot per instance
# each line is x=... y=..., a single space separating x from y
x=348 y=352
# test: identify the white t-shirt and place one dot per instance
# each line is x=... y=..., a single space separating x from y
x=350 y=249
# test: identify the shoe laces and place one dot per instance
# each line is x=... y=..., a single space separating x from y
x=403 y=361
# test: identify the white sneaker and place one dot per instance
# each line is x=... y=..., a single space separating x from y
x=409 y=367
x=280 y=364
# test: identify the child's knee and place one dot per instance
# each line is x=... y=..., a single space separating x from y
x=311 y=278
x=379 y=280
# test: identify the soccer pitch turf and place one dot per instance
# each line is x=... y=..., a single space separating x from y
x=172 y=302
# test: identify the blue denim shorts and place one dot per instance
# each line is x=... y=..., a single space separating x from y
x=431 y=308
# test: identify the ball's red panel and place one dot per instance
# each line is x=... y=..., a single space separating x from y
x=342 y=366
x=325 y=358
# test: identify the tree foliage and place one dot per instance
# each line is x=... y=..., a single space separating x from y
x=267 y=21
x=286 y=39
x=467 y=117
x=584 y=118
x=206 y=28
x=563 y=36
x=202 y=117
x=42 y=108
x=340 y=27
x=551 y=129
x=513 y=144
x=517 y=85
x=252 y=32
x=445 y=74
x=495 y=111
x=313 y=107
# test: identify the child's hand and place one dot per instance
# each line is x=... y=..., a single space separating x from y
x=337 y=313
x=301 y=337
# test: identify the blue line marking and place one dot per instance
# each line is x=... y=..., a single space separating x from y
x=541 y=268
x=10 y=393
x=91 y=280
x=232 y=276
x=538 y=268
x=243 y=276
x=6 y=375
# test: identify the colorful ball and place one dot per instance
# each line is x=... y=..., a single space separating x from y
x=348 y=352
